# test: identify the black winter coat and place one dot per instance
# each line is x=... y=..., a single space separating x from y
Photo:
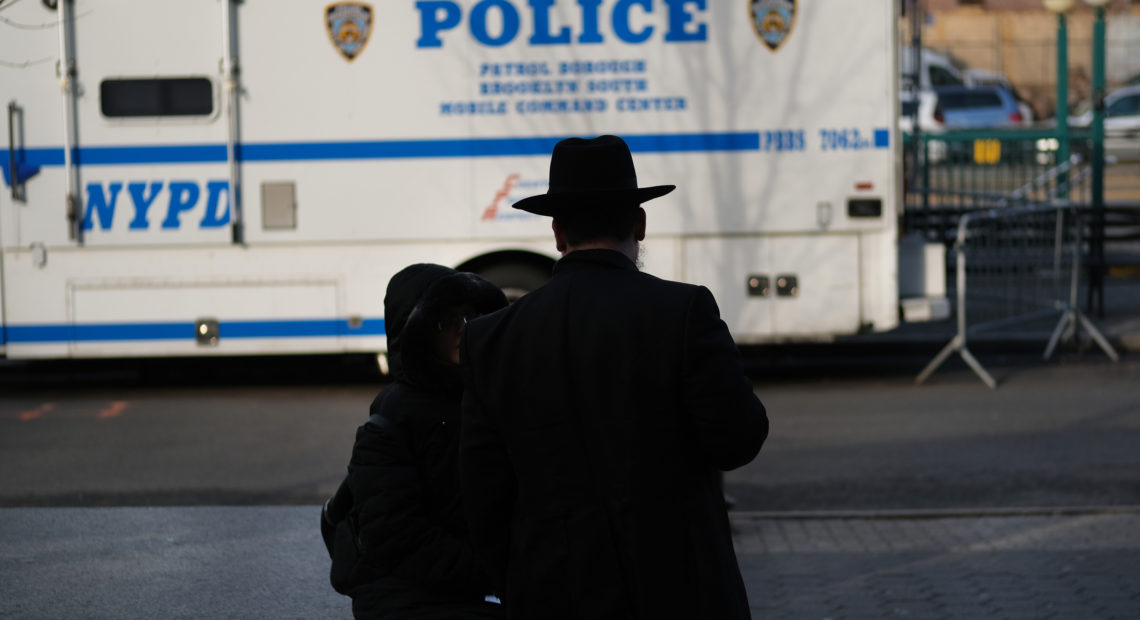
x=599 y=412
x=410 y=520
x=403 y=476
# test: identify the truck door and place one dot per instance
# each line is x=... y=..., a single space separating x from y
x=33 y=215
x=149 y=122
x=118 y=145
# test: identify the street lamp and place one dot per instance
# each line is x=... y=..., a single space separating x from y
x=1096 y=249
x=1060 y=7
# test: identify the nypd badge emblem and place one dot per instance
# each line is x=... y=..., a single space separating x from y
x=773 y=20
x=349 y=24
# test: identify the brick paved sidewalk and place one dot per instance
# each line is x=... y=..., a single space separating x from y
x=1080 y=566
x=269 y=562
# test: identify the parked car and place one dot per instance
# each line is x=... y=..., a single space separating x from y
x=972 y=107
x=985 y=77
x=1121 y=123
x=923 y=107
x=935 y=69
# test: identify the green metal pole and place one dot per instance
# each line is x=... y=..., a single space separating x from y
x=1063 y=102
x=925 y=146
x=1097 y=266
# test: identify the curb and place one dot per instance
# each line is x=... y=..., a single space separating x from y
x=934 y=513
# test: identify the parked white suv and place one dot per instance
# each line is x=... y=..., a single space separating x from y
x=923 y=107
x=934 y=70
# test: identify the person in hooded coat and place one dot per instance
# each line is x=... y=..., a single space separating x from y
x=395 y=528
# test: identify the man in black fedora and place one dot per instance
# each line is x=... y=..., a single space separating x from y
x=598 y=415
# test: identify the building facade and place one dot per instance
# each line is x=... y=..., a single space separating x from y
x=1019 y=38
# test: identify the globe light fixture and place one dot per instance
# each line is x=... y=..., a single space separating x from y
x=1059 y=6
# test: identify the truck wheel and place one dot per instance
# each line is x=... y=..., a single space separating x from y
x=515 y=279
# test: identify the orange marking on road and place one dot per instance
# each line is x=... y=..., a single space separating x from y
x=32 y=414
x=114 y=410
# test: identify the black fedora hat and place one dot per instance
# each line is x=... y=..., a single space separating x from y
x=591 y=172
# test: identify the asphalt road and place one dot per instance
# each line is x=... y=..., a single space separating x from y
x=846 y=436
x=1051 y=435
x=200 y=487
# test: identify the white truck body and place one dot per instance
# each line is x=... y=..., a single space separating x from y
x=363 y=137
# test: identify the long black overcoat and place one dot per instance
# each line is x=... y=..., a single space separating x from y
x=598 y=413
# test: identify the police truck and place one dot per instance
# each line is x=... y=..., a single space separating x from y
x=235 y=177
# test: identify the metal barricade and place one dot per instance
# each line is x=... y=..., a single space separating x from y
x=952 y=173
x=1015 y=265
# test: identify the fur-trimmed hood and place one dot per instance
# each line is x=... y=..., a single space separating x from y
x=417 y=298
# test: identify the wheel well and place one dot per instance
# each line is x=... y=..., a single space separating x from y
x=508 y=257
x=515 y=272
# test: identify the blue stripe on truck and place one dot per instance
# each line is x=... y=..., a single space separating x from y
x=379 y=149
x=125 y=332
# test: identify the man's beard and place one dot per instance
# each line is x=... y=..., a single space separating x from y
x=640 y=260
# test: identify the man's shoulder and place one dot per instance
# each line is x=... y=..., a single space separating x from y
x=652 y=289
x=670 y=284
x=635 y=288
x=633 y=285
